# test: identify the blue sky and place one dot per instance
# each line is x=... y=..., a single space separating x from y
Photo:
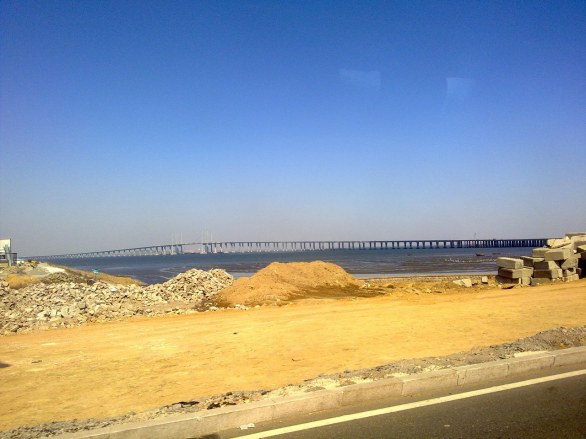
x=126 y=123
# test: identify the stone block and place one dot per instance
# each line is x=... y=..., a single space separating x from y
x=581 y=249
x=540 y=281
x=559 y=254
x=463 y=282
x=529 y=261
x=559 y=242
x=548 y=274
x=539 y=252
x=546 y=265
x=571 y=278
x=509 y=263
x=577 y=239
x=509 y=281
x=571 y=262
x=515 y=273
x=506 y=280
x=484 y=280
x=568 y=272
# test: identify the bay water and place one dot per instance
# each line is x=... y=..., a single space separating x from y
x=360 y=263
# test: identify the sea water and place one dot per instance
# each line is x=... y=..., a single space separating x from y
x=361 y=263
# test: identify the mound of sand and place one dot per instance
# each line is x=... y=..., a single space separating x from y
x=280 y=283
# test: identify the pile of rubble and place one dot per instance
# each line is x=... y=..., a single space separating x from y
x=562 y=259
x=65 y=304
x=191 y=284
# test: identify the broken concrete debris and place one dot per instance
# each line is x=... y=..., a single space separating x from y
x=562 y=259
x=66 y=304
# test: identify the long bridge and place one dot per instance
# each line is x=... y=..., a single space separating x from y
x=269 y=246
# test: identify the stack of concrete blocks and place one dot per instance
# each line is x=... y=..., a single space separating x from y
x=562 y=259
x=513 y=271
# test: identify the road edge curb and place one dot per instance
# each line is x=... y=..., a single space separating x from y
x=214 y=420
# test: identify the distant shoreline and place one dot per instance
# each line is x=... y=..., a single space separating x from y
x=361 y=264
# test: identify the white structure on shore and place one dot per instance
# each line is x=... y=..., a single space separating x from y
x=6 y=254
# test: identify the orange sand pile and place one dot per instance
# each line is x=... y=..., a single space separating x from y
x=279 y=283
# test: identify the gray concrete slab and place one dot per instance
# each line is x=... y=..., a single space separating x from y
x=529 y=261
x=569 y=272
x=548 y=274
x=540 y=281
x=515 y=273
x=559 y=242
x=539 y=252
x=558 y=254
x=509 y=263
x=571 y=262
x=546 y=265
x=514 y=281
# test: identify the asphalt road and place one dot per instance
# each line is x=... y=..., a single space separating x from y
x=554 y=409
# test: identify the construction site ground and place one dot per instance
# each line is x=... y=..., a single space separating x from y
x=139 y=364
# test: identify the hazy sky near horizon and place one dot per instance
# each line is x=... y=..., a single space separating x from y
x=128 y=123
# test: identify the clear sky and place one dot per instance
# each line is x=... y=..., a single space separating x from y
x=128 y=123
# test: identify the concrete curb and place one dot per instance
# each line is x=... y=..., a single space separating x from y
x=212 y=421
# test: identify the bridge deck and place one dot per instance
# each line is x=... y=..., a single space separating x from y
x=259 y=246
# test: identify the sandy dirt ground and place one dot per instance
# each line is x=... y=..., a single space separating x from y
x=114 y=368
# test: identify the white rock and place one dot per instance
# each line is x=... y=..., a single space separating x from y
x=463 y=282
